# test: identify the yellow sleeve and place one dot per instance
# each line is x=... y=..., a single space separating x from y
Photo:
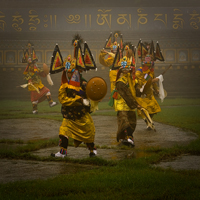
x=67 y=101
x=113 y=75
x=94 y=106
x=105 y=62
x=139 y=78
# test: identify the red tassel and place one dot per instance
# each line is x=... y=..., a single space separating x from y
x=115 y=95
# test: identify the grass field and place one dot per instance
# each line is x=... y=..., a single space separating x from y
x=126 y=179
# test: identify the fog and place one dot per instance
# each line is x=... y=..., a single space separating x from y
x=175 y=27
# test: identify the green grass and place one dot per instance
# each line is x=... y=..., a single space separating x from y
x=10 y=109
x=130 y=179
x=186 y=117
x=126 y=179
x=179 y=102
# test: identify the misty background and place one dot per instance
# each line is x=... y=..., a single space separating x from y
x=174 y=24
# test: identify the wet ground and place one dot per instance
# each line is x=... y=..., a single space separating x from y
x=106 y=128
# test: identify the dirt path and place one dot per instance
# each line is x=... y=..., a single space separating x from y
x=106 y=128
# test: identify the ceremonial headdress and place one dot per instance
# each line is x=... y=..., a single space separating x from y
x=125 y=61
x=129 y=50
x=123 y=64
x=148 y=54
x=80 y=61
x=114 y=40
x=29 y=56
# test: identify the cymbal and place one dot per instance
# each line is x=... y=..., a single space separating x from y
x=96 y=88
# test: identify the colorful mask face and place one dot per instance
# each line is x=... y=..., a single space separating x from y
x=126 y=48
x=125 y=63
x=114 y=47
x=70 y=64
x=75 y=43
x=147 y=64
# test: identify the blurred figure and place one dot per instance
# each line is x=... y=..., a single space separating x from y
x=106 y=58
x=33 y=76
x=146 y=82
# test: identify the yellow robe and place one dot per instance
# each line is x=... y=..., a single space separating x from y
x=119 y=103
x=36 y=80
x=149 y=102
x=81 y=129
x=108 y=63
